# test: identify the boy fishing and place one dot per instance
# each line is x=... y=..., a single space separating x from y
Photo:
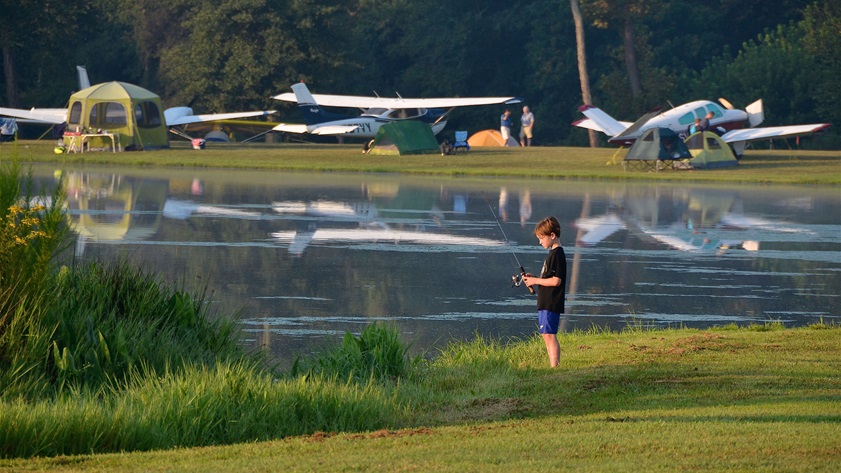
x=550 y=294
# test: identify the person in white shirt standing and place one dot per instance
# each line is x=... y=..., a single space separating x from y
x=526 y=126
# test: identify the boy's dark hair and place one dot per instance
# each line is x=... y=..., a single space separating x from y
x=547 y=226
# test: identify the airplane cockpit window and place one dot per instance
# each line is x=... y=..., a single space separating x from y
x=374 y=112
x=147 y=115
x=404 y=113
x=75 y=117
x=687 y=119
x=717 y=111
x=700 y=112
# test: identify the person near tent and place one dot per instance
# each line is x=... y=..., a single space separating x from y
x=695 y=127
x=505 y=126
x=526 y=127
x=705 y=122
x=550 y=294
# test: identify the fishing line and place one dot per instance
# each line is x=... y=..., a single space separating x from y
x=516 y=279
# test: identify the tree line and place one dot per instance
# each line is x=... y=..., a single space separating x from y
x=224 y=55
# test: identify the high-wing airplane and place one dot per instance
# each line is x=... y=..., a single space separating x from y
x=737 y=127
x=376 y=111
x=113 y=115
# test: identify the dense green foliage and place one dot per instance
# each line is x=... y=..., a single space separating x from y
x=235 y=54
x=107 y=358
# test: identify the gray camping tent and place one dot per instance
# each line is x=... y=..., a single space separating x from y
x=656 y=148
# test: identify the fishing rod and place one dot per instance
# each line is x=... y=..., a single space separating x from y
x=516 y=279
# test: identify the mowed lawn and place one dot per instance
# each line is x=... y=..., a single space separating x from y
x=759 y=398
x=779 y=166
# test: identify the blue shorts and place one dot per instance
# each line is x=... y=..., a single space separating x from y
x=548 y=321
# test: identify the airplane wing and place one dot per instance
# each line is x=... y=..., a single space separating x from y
x=634 y=129
x=184 y=116
x=315 y=129
x=47 y=116
x=751 y=134
x=356 y=101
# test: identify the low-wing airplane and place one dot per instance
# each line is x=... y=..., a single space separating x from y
x=736 y=127
x=113 y=115
x=376 y=111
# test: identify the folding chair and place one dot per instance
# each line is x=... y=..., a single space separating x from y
x=461 y=143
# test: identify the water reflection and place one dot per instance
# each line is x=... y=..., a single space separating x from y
x=309 y=256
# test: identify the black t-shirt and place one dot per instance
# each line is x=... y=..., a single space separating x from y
x=552 y=297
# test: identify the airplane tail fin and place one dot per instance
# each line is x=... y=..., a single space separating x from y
x=600 y=121
x=313 y=113
x=82 y=73
x=756 y=113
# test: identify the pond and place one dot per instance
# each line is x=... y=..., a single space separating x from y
x=301 y=258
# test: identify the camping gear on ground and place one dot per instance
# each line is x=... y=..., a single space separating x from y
x=118 y=108
x=8 y=129
x=656 y=149
x=709 y=151
x=404 y=137
x=490 y=138
x=461 y=143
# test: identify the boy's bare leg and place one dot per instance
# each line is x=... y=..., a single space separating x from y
x=553 y=348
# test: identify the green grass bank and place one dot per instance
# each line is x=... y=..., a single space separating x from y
x=758 y=398
x=780 y=167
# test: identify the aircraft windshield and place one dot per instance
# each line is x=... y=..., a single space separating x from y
x=717 y=111
x=374 y=112
x=406 y=113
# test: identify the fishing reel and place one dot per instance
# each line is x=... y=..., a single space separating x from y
x=517 y=280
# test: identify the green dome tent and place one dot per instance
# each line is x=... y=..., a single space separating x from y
x=656 y=148
x=132 y=112
x=709 y=151
x=405 y=137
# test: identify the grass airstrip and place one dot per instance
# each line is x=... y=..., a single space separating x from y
x=777 y=166
x=113 y=371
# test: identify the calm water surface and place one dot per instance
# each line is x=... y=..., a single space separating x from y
x=302 y=258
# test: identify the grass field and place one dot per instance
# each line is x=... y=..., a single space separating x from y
x=782 y=167
x=761 y=398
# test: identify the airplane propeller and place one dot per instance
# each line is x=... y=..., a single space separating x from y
x=726 y=103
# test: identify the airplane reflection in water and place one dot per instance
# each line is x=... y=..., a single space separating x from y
x=370 y=229
x=686 y=220
x=111 y=207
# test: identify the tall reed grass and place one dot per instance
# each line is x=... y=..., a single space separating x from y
x=196 y=405
x=376 y=353
x=97 y=358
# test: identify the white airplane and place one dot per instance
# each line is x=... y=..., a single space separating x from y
x=376 y=111
x=174 y=116
x=737 y=127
